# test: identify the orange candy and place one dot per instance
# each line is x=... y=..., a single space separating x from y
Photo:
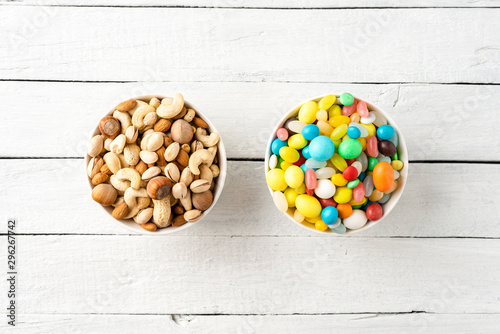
x=345 y=210
x=383 y=176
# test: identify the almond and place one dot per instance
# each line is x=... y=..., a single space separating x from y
x=161 y=157
x=151 y=227
x=126 y=105
x=163 y=125
x=105 y=170
x=141 y=167
x=178 y=221
x=183 y=158
x=200 y=123
x=99 y=178
x=181 y=114
x=178 y=209
x=120 y=211
x=167 y=141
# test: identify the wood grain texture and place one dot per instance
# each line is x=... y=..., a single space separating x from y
x=279 y=4
x=440 y=200
x=440 y=122
x=178 y=44
x=259 y=275
x=276 y=324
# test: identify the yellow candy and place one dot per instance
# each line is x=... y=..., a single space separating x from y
x=309 y=206
x=297 y=141
x=327 y=101
x=372 y=131
x=324 y=128
x=322 y=115
x=312 y=220
x=339 y=132
x=307 y=112
x=291 y=196
x=337 y=143
x=284 y=165
x=397 y=164
x=353 y=202
x=338 y=162
x=339 y=120
x=321 y=226
x=335 y=110
x=339 y=180
x=294 y=176
x=289 y=154
x=275 y=179
x=355 y=117
x=301 y=190
x=342 y=195
x=363 y=142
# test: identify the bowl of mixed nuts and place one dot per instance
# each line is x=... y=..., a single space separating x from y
x=156 y=164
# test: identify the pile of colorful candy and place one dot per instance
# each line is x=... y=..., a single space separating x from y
x=334 y=164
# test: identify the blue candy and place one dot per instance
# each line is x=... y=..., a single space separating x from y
x=329 y=215
x=353 y=132
x=310 y=131
x=277 y=144
x=385 y=132
x=341 y=229
x=321 y=148
x=362 y=176
x=305 y=152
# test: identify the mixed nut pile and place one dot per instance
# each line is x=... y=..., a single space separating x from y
x=155 y=162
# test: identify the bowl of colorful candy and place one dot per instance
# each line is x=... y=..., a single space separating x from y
x=336 y=164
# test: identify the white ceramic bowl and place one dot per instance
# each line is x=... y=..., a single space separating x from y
x=396 y=195
x=219 y=185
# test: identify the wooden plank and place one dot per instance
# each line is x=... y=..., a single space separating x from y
x=354 y=323
x=179 y=44
x=440 y=200
x=438 y=121
x=255 y=275
x=288 y=4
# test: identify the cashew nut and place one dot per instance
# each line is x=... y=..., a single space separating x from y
x=207 y=141
x=131 y=175
x=124 y=119
x=206 y=173
x=200 y=157
x=118 y=144
x=139 y=103
x=189 y=115
x=215 y=170
x=123 y=163
x=138 y=117
x=170 y=108
x=162 y=212
x=130 y=198
x=113 y=162
x=119 y=185
x=154 y=102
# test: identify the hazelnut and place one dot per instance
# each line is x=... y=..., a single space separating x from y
x=181 y=131
x=202 y=201
x=159 y=187
x=104 y=194
x=110 y=127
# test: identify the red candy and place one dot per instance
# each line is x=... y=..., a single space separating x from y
x=350 y=173
x=310 y=179
x=358 y=193
x=301 y=161
x=372 y=146
x=327 y=202
x=362 y=109
x=349 y=110
x=374 y=211
x=282 y=134
x=350 y=161
x=310 y=192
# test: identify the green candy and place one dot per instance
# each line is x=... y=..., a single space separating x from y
x=372 y=162
x=357 y=206
x=353 y=184
x=346 y=99
x=350 y=149
x=395 y=157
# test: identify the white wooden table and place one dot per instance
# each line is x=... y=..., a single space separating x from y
x=432 y=266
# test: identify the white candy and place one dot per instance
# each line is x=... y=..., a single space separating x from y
x=273 y=161
x=296 y=126
x=379 y=119
x=325 y=173
x=311 y=163
x=279 y=200
x=336 y=224
x=396 y=175
x=356 y=220
x=324 y=189
x=368 y=182
x=358 y=166
x=362 y=129
x=368 y=120
x=394 y=139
